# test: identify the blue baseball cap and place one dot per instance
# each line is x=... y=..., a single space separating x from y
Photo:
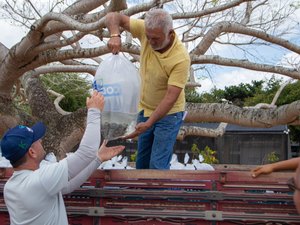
x=17 y=141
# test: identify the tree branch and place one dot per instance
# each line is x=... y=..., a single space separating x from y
x=200 y=131
x=57 y=101
x=204 y=59
x=212 y=10
x=227 y=27
x=251 y=117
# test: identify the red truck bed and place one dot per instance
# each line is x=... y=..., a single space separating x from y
x=144 y=197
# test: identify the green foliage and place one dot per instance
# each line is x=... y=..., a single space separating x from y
x=208 y=154
x=238 y=94
x=73 y=86
x=272 y=84
x=215 y=96
x=215 y=2
x=290 y=93
x=272 y=157
x=133 y=156
x=191 y=95
x=294 y=133
x=235 y=94
x=265 y=93
x=296 y=4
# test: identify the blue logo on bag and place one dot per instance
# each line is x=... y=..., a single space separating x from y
x=98 y=85
x=111 y=90
x=107 y=90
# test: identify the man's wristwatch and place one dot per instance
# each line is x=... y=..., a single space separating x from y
x=115 y=35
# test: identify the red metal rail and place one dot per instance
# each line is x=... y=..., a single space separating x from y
x=143 y=197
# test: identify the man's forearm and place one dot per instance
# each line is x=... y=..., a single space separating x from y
x=161 y=110
x=290 y=164
x=112 y=22
x=88 y=146
x=165 y=105
x=80 y=178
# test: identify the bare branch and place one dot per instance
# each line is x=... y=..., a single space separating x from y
x=221 y=27
x=197 y=131
x=209 y=11
x=65 y=68
x=57 y=101
x=251 y=117
x=204 y=59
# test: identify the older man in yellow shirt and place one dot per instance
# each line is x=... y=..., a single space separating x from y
x=164 y=70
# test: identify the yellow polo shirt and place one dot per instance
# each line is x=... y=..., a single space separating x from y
x=158 y=70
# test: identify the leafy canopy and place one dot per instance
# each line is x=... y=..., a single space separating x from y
x=73 y=86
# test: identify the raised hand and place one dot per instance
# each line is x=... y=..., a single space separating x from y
x=106 y=153
x=95 y=101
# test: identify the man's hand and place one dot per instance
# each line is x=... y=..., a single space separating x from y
x=95 y=101
x=139 y=128
x=264 y=169
x=106 y=153
x=113 y=22
x=114 y=45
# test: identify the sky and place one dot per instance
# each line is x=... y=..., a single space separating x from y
x=219 y=78
x=10 y=34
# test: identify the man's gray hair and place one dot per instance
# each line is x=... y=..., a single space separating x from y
x=158 y=18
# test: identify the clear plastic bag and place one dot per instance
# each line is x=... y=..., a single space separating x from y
x=119 y=81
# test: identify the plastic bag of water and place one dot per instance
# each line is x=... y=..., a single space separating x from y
x=119 y=81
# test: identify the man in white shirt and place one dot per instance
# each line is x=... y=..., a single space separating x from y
x=33 y=194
